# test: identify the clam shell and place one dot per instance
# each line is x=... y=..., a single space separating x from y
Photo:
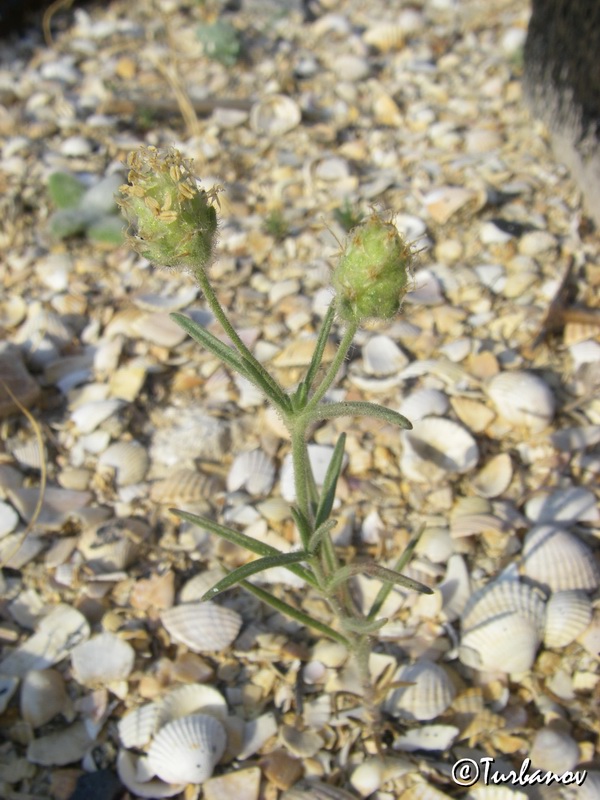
x=43 y=696
x=9 y=519
x=382 y=356
x=192 y=699
x=553 y=750
x=103 y=659
x=558 y=560
x=429 y=696
x=253 y=471
x=187 y=749
x=424 y=403
x=495 y=477
x=88 y=416
x=436 y=447
x=522 y=399
x=502 y=627
x=202 y=626
x=275 y=115
x=567 y=615
x=128 y=459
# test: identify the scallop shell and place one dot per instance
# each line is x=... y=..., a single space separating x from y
x=43 y=696
x=137 y=727
x=553 y=750
x=436 y=447
x=185 y=486
x=567 y=615
x=382 y=356
x=429 y=696
x=128 y=459
x=192 y=699
x=522 y=399
x=573 y=504
x=253 y=471
x=274 y=115
x=558 y=560
x=187 y=749
x=202 y=626
x=502 y=627
x=103 y=659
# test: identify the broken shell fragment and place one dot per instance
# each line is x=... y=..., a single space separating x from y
x=43 y=696
x=435 y=448
x=103 y=659
x=253 y=471
x=522 y=399
x=202 y=626
x=187 y=749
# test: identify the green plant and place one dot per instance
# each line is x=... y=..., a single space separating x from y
x=221 y=42
x=173 y=223
x=85 y=212
x=276 y=225
x=348 y=216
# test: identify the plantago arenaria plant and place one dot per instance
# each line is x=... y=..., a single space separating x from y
x=173 y=223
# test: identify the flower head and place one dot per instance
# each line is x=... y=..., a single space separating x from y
x=371 y=277
x=172 y=221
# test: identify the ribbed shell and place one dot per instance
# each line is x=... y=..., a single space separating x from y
x=522 y=399
x=187 y=749
x=202 y=626
x=567 y=615
x=137 y=727
x=429 y=696
x=558 y=560
x=128 y=459
x=192 y=699
x=185 y=486
x=253 y=471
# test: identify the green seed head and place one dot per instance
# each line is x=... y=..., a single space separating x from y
x=172 y=222
x=371 y=277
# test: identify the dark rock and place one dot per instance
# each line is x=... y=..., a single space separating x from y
x=100 y=785
x=562 y=85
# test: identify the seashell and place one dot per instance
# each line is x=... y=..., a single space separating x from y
x=382 y=356
x=427 y=737
x=455 y=588
x=553 y=750
x=436 y=447
x=577 y=438
x=474 y=415
x=128 y=459
x=16 y=377
x=9 y=519
x=281 y=769
x=129 y=768
x=274 y=115
x=568 y=614
x=101 y=660
x=202 y=626
x=385 y=37
x=187 y=749
x=245 y=783
x=88 y=416
x=319 y=456
x=188 y=434
x=429 y=696
x=368 y=776
x=495 y=477
x=62 y=747
x=304 y=744
x=312 y=789
x=43 y=696
x=558 y=560
x=502 y=627
x=57 y=634
x=444 y=203
x=28 y=454
x=253 y=471
x=8 y=686
x=137 y=727
x=126 y=382
x=192 y=699
x=184 y=297
x=574 y=504
x=112 y=544
x=59 y=506
x=522 y=399
x=158 y=328
x=424 y=403
x=185 y=486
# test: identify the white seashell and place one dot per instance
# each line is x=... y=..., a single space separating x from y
x=443 y=203
x=101 y=660
x=522 y=399
x=129 y=768
x=495 y=477
x=88 y=416
x=61 y=747
x=368 y=776
x=202 y=626
x=8 y=686
x=574 y=504
x=455 y=588
x=568 y=614
x=128 y=459
x=436 y=447
x=558 y=560
x=474 y=415
x=427 y=737
x=192 y=699
x=319 y=456
x=274 y=115
x=553 y=750
x=502 y=627
x=382 y=356
x=187 y=749
x=137 y=727
x=185 y=486
x=431 y=693
x=43 y=696
x=9 y=519
x=315 y=790
x=569 y=439
x=424 y=403
x=385 y=36
x=253 y=471
x=56 y=636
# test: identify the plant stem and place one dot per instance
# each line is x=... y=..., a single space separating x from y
x=334 y=367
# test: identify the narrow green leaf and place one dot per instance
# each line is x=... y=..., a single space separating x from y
x=303 y=526
x=294 y=613
x=330 y=483
x=235 y=537
x=317 y=356
x=363 y=625
x=317 y=536
x=358 y=408
x=252 y=568
x=211 y=342
x=374 y=570
x=387 y=587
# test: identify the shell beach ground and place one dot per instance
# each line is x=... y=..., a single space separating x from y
x=113 y=676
